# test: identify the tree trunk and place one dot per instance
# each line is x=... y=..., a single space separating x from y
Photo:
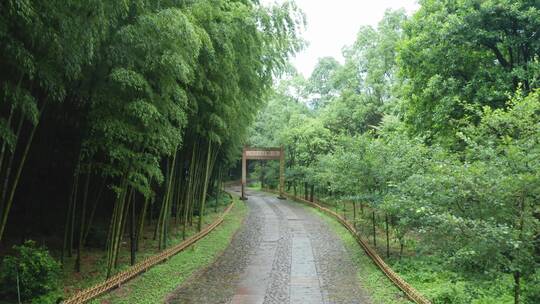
x=179 y=190
x=205 y=186
x=94 y=208
x=166 y=206
x=196 y=190
x=191 y=176
x=215 y=185
x=133 y=238
x=4 y=143
x=73 y=212
x=305 y=191
x=374 y=232
x=116 y=226
x=387 y=237
x=354 y=212
x=311 y=195
x=68 y=221
x=124 y=222
x=158 y=231
x=517 y=273
x=517 y=287
x=5 y=185
x=140 y=229
x=17 y=176
x=82 y=222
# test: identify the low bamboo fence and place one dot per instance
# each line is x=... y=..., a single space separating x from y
x=120 y=278
x=413 y=294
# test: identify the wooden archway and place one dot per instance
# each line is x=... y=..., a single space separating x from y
x=264 y=154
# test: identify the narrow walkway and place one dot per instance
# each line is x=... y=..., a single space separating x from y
x=282 y=254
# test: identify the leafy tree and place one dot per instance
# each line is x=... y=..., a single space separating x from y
x=321 y=85
x=32 y=273
x=367 y=81
x=459 y=54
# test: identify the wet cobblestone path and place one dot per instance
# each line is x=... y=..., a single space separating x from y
x=282 y=254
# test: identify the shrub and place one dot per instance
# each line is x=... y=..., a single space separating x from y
x=37 y=272
x=532 y=288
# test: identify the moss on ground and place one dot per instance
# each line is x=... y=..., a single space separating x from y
x=154 y=285
x=379 y=288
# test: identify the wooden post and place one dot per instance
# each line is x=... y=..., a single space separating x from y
x=244 y=162
x=281 y=173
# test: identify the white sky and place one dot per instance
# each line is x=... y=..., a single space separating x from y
x=332 y=24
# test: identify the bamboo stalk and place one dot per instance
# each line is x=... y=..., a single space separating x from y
x=4 y=143
x=94 y=208
x=189 y=189
x=68 y=220
x=133 y=239
x=5 y=184
x=205 y=187
x=18 y=174
x=141 y=221
x=73 y=209
x=83 y=216
x=116 y=226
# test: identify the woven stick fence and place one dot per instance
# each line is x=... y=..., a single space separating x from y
x=120 y=278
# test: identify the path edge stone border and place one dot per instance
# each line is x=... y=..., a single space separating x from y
x=411 y=293
x=120 y=278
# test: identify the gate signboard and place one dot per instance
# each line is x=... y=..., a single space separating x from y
x=264 y=154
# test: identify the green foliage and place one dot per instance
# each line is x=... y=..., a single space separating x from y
x=149 y=103
x=463 y=54
x=433 y=121
x=140 y=116
x=320 y=83
x=33 y=271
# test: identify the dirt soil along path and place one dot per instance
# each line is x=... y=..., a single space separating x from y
x=283 y=254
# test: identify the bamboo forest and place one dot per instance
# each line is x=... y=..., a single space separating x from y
x=409 y=156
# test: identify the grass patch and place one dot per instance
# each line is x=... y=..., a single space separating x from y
x=438 y=282
x=154 y=285
x=254 y=186
x=380 y=289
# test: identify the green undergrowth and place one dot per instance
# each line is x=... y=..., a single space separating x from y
x=255 y=186
x=154 y=285
x=94 y=259
x=429 y=274
x=379 y=288
x=437 y=281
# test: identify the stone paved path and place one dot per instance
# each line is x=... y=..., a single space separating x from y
x=282 y=254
